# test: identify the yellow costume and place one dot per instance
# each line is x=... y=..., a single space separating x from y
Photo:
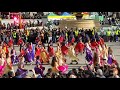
x=54 y=69
x=71 y=53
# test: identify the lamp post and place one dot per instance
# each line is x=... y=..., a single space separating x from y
x=20 y=23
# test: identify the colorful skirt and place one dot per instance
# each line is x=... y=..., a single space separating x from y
x=63 y=68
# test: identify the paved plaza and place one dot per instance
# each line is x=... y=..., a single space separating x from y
x=114 y=45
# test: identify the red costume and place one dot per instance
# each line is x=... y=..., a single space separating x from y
x=61 y=39
x=20 y=41
x=37 y=40
x=10 y=43
x=37 y=52
x=73 y=40
x=22 y=53
x=94 y=44
x=64 y=50
x=79 y=47
x=101 y=41
x=51 y=51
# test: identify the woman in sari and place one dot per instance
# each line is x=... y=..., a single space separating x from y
x=28 y=57
x=44 y=55
x=96 y=59
x=110 y=56
x=64 y=49
x=2 y=64
x=22 y=52
x=72 y=55
x=10 y=43
x=9 y=66
x=50 y=50
x=37 y=51
x=14 y=56
x=32 y=51
x=104 y=53
x=79 y=48
x=5 y=48
x=63 y=67
x=89 y=55
x=22 y=71
x=55 y=65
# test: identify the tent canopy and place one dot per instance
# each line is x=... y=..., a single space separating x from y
x=52 y=14
x=66 y=14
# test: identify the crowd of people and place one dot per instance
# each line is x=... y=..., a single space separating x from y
x=110 y=35
x=25 y=15
x=99 y=58
x=11 y=26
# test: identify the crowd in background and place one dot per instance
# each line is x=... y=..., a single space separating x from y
x=99 y=58
x=25 y=15
x=97 y=66
x=11 y=26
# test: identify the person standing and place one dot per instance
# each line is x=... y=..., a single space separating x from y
x=108 y=35
x=46 y=37
x=15 y=37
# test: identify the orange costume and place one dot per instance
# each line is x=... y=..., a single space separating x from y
x=5 y=48
x=44 y=56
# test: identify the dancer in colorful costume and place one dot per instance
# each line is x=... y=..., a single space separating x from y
x=44 y=55
x=72 y=55
x=88 y=51
x=9 y=66
x=64 y=49
x=50 y=49
x=79 y=48
x=10 y=43
x=2 y=64
x=37 y=51
x=14 y=56
x=28 y=57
